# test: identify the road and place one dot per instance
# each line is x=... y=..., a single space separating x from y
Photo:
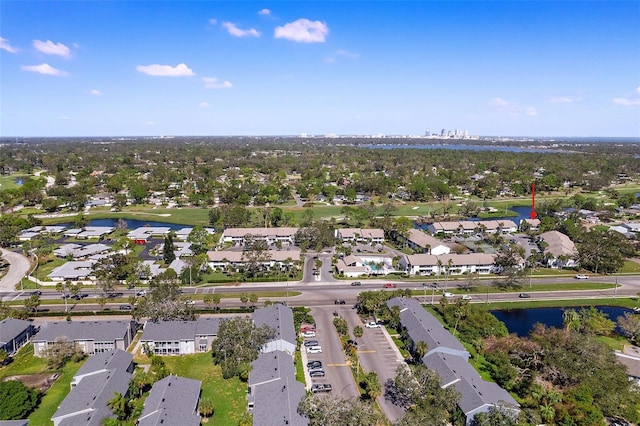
x=18 y=267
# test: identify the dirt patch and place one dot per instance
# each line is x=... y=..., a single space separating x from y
x=39 y=382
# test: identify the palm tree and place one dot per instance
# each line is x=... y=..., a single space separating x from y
x=421 y=349
x=119 y=405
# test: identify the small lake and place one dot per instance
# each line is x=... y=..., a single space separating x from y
x=524 y=212
x=521 y=321
x=131 y=223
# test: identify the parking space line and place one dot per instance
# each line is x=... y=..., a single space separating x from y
x=337 y=365
x=367 y=352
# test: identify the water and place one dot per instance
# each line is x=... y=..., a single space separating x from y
x=524 y=212
x=131 y=223
x=521 y=321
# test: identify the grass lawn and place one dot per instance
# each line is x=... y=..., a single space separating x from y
x=54 y=396
x=228 y=396
x=9 y=182
x=45 y=269
x=299 y=368
x=619 y=301
x=24 y=363
x=630 y=267
x=480 y=290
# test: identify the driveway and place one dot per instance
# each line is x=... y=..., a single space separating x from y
x=378 y=353
x=18 y=267
x=338 y=373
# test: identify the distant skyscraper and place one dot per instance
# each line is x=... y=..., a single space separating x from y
x=444 y=132
x=427 y=132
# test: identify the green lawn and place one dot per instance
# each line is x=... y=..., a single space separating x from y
x=45 y=269
x=54 y=396
x=228 y=396
x=491 y=289
x=9 y=182
x=25 y=363
x=519 y=304
x=630 y=267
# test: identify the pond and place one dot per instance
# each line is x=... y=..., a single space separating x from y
x=521 y=321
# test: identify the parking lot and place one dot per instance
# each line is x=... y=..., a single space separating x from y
x=337 y=371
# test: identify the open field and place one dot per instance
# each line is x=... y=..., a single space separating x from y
x=624 y=302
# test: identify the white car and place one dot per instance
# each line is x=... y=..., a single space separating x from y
x=466 y=297
x=307 y=334
x=372 y=324
x=581 y=277
x=447 y=294
x=314 y=349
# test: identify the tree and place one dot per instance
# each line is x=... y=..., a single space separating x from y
x=508 y=264
x=332 y=410
x=253 y=298
x=238 y=343
x=119 y=405
x=357 y=332
x=32 y=303
x=371 y=385
x=16 y=400
x=630 y=325
x=205 y=407
x=244 y=299
x=168 y=249
x=497 y=416
x=61 y=351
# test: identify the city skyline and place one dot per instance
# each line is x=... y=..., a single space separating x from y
x=125 y=68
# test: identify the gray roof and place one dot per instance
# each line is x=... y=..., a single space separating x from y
x=172 y=401
x=280 y=318
x=73 y=270
x=180 y=330
x=11 y=328
x=23 y=422
x=276 y=403
x=474 y=391
x=89 y=399
x=113 y=359
x=422 y=326
x=99 y=331
x=271 y=366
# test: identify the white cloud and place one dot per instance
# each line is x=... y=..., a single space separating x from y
x=4 y=45
x=303 y=31
x=95 y=92
x=265 y=12
x=50 y=48
x=203 y=104
x=633 y=99
x=44 y=69
x=150 y=123
x=214 y=83
x=156 y=70
x=512 y=109
x=213 y=21
x=237 y=32
x=343 y=53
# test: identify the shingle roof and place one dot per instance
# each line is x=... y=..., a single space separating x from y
x=271 y=366
x=11 y=328
x=180 y=330
x=558 y=244
x=172 y=401
x=100 y=331
x=111 y=360
x=280 y=318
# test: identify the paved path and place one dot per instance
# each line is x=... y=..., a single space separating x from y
x=18 y=267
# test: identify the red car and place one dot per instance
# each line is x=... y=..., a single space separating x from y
x=390 y=285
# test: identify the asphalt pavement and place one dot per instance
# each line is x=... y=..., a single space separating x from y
x=19 y=266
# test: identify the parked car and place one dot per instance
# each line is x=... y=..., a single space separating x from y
x=314 y=369
x=466 y=297
x=390 y=285
x=36 y=293
x=317 y=373
x=190 y=302
x=372 y=324
x=306 y=334
x=321 y=387
x=125 y=307
x=356 y=283
x=524 y=295
x=581 y=277
x=338 y=302
x=307 y=327
x=314 y=349
x=448 y=294
x=314 y=364
x=141 y=293
x=311 y=343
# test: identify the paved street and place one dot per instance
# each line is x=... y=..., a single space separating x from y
x=18 y=267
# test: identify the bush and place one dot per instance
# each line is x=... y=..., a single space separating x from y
x=16 y=400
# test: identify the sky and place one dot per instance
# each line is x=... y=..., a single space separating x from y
x=503 y=68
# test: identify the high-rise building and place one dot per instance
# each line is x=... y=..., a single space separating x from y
x=427 y=132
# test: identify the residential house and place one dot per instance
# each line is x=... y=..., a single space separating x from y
x=14 y=334
x=530 y=224
x=90 y=336
x=559 y=250
x=75 y=270
x=467 y=227
x=360 y=236
x=88 y=232
x=421 y=242
x=172 y=400
x=446 y=355
x=79 y=251
x=227 y=258
x=449 y=264
x=280 y=318
x=87 y=403
x=180 y=337
x=274 y=393
x=270 y=235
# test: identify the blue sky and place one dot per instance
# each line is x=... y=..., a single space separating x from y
x=116 y=68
